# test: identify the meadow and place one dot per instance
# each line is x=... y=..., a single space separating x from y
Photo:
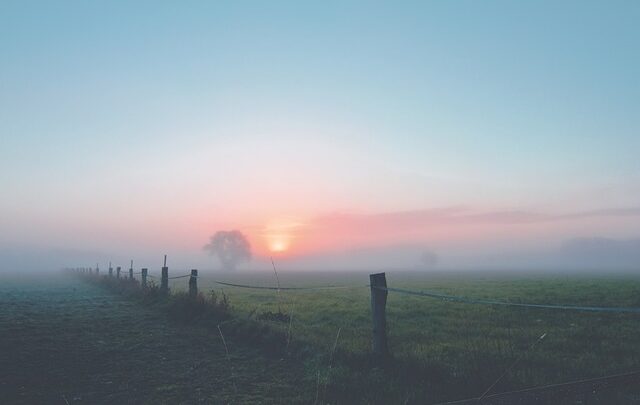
x=445 y=350
x=67 y=341
x=89 y=340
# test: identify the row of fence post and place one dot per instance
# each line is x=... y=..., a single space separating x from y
x=377 y=283
x=144 y=274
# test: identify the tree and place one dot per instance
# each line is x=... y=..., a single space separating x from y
x=231 y=248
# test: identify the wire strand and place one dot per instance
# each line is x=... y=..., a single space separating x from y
x=284 y=288
x=466 y=300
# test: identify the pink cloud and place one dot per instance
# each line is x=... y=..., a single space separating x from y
x=343 y=230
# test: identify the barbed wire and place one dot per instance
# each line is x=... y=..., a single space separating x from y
x=460 y=299
x=183 y=276
x=430 y=294
x=255 y=287
x=456 y=298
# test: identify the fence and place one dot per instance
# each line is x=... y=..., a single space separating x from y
x=379 y=341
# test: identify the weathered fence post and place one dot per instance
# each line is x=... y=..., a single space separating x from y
x=378 y=283
x=193 y=283
x=118 y=272
x=143 y=274
x=131 y=271
x=110 y=270
x=164 y=281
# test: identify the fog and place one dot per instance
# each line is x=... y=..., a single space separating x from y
x=586 y=254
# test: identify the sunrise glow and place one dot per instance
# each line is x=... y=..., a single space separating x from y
x=279 y=234
x=278 y=244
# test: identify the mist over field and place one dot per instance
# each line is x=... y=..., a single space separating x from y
x=591 y=255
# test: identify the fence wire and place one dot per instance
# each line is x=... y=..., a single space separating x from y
x=611 y=379
x=466 y=300
x=256 y=287
x=429 y=294
x=174 y=277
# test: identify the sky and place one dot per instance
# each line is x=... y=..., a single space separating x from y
x=334 y=134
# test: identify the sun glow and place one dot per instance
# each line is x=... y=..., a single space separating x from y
x=278 y=244
x=280 y=234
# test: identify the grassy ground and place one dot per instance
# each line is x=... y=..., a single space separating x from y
x=65 y=341
x=62 y=339
x=444 y=350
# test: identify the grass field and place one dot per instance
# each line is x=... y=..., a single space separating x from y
x=65 y=339
x=454 y=350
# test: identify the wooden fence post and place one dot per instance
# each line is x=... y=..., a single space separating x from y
x=110 y=270
x=164 y=281
x=193 y=283
x=131 y=271
x=118 y=272
x=378 y=283
x=144 y=277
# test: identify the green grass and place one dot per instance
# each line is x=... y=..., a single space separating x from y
x=63 y=340
x=445 y=350
x=97 y=345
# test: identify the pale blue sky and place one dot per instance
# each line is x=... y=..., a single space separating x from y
x=358 y=106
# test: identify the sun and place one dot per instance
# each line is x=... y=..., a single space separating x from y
x=280 y=234
x=278 y=245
